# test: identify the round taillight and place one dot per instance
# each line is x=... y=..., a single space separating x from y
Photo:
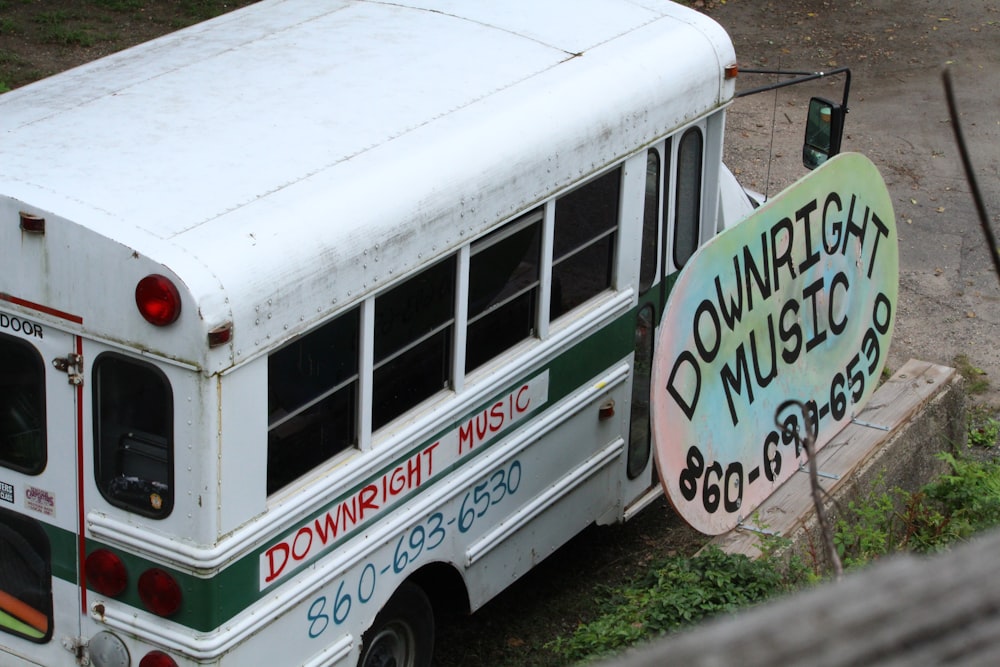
x=106 y=573
x=159 y=592
x=157 y=659
x=158 y=300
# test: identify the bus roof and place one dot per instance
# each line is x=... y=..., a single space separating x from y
x=241 y=155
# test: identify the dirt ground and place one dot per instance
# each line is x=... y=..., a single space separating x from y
x=949 y=300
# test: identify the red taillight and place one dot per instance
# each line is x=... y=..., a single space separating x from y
x=157 y=659
x=158 y=300
x=106 y=573
x=159 y=592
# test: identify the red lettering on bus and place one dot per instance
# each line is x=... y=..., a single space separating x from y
x=397 y=481
x=366 y=500
x=464 y=436
x=429 y=455
x=349 y=510
x=527 y=401
x=482 y=425
x=296 y=554
x=275 y=566
x=497 y=417
x=493 y=419
x=413 y=472
x=328 y=528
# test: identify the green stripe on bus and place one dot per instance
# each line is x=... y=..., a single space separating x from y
x=209 y=603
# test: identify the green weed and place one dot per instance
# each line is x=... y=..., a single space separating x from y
x=970 y=493
x=983 y=427
x=976 y=381
x=865 y=533
x=118 y=5
x=677 y=592
x=8 y=27
x=62 y=27
x=10 y=63
x=201 y=10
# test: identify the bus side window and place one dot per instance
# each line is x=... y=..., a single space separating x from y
x=640 y=435
x=503 y=289
x=413 y=341
x=22 y=407
x=586 y=224
x=687 y=222
x=133 y=435
x=312 y=393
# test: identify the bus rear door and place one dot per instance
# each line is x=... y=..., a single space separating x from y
x=41 y=599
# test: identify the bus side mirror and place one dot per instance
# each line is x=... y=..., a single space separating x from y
x=824 y=130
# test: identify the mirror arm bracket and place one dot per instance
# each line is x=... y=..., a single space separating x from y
x=798 y=77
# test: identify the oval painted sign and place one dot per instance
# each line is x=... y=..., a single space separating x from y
x=797 y=302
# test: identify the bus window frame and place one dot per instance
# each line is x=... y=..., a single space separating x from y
x=302 y=416
x=532 y=289
x=405 y=347
x=562 y=254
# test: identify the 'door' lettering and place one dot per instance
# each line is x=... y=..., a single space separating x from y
x=18 y=325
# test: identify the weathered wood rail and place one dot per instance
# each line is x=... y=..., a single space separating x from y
x=904 y=611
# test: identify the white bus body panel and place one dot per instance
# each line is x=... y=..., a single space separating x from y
x=239 y=170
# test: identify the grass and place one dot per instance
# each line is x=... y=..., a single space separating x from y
x=68 y=29
x=38 y=39
x=983 y=427
x=674 y=593
x=976 y=382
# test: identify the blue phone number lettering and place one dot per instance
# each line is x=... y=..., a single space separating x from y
x=335 y=607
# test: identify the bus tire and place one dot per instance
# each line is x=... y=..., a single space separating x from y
x=403 y=632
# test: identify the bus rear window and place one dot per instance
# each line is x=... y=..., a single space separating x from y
x=22 y=407
x=25 y=578
x=133 y=435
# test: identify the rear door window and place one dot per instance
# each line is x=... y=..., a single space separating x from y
x=25 y=578
x=22 y=407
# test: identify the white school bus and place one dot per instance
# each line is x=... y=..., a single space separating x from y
x=324 y=314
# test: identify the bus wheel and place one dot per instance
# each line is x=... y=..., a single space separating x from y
x=403 y=632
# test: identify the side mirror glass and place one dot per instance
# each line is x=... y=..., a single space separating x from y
x=824 y=130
